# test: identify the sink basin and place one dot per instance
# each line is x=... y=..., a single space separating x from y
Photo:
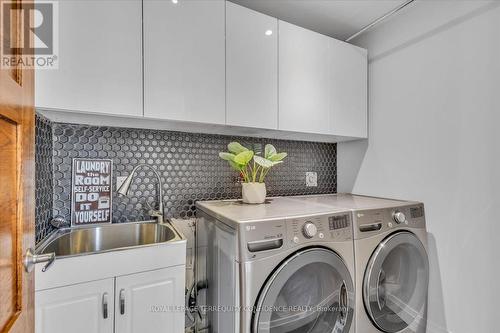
x=110 y=237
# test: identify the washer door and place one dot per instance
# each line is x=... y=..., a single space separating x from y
x=395 y=283
x=312 y=291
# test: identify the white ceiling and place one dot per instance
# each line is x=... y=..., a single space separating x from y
x=336 y=18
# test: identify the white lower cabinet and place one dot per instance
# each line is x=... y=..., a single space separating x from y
x=148 y=302
x=80 y=308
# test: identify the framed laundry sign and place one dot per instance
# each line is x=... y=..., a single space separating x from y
x=91 y=191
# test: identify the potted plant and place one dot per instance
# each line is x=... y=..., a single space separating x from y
x=253 y=169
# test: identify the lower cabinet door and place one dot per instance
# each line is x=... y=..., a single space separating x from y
x=80 y=308
x=150 y=302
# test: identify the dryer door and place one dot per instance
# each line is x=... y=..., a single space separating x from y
x=395 y=283
x=312 y=291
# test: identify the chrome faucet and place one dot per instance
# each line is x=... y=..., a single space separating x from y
x=125 y=189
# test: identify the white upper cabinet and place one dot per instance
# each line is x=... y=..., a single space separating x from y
x=251 y=68
x=322 y=84
x=99 y=59
x=184 y=60
x=304 y=80
x=193 y=63
x=349 y=89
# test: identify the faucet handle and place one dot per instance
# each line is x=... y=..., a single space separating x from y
x=156 y=214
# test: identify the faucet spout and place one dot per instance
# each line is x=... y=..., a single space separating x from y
x=124 y=190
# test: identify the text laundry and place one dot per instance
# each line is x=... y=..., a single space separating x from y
x=92 y=166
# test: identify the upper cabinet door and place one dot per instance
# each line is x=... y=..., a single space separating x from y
x=304 y=80
x=251 y=68
x=184 y=60
x=349 y=89
x=99 y=59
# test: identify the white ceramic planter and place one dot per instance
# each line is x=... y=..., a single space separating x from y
x=253 y=193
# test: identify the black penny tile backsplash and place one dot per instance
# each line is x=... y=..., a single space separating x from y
x=43 y=177
x=188 y=163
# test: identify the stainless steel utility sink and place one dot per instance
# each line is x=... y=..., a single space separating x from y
x=110 y=237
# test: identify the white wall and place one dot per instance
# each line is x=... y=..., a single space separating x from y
x=435 y=137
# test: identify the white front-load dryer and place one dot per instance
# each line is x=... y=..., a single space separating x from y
x=278 y=267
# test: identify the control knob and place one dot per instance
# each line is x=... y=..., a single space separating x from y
x=399 y=217
x=309 y=230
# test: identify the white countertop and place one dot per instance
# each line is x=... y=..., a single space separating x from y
x=287 y=207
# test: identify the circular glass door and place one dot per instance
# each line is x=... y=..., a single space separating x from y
x=311 y=292
x=395 y=283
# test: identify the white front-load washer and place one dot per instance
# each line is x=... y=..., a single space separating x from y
x=391 y=263
x=278 y=267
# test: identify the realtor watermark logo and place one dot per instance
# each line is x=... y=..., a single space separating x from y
x=30 y=31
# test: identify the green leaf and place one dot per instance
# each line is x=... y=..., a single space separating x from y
x=236 y=148
x=227 y=156
x=277 y=162
x=278 y=157
x=244 y=157
x=263 y=162
x=269 y=151
x=235 y=166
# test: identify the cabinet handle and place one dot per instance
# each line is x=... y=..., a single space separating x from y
x=122 y=301
x=105 y=305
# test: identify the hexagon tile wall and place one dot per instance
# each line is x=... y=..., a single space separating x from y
x=43 y=177
x=188 y=163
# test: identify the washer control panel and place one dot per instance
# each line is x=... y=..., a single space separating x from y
x=334 y=227
x=261 y=239
x=309 y=230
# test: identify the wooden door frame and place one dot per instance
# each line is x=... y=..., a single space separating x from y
x=24 y=316
x=17 y=107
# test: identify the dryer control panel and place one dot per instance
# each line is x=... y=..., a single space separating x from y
x=375 y=221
